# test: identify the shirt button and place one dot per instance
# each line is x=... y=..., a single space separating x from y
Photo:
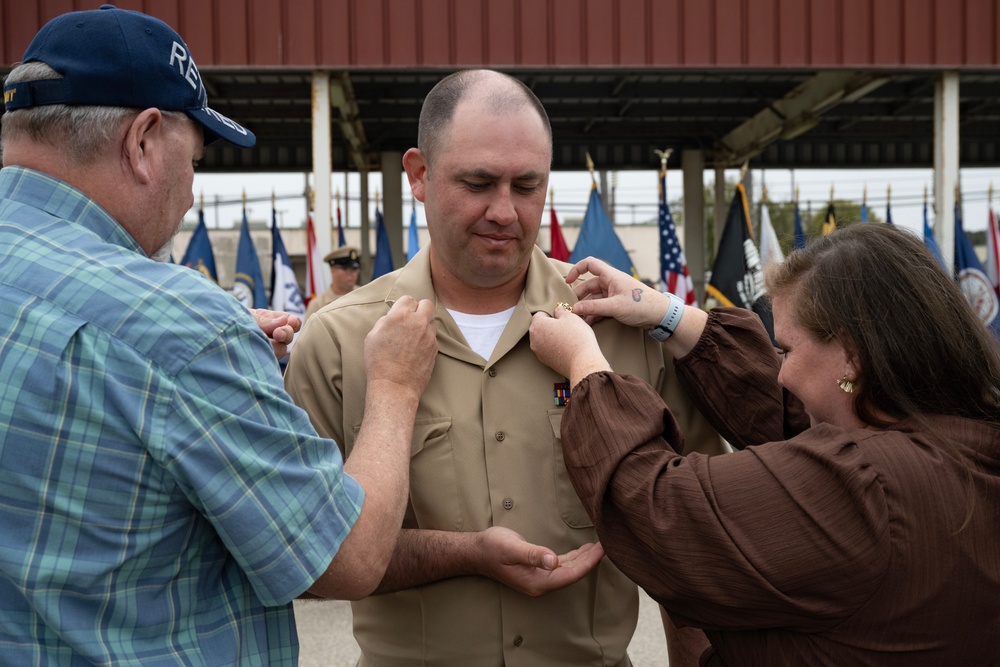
x=518 y=640
x=508 y=504
x=500 y=436
x=492 y=372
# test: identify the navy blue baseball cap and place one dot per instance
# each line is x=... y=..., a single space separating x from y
x=120 y=58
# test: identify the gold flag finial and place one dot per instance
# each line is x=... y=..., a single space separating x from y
x=376 y=198
x=743 y=169
x=664 y=155
x=925 y=195
x=244 y=197
x=888 y=194
x=272 y=198
x=552 y=197
x=590 y=168
x=831 y=193
x=864 y=196
x=989 y=194
x=338 y=197
x=201 y=199
x=796 y=195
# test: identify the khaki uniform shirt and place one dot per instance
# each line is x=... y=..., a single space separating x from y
x=486 y=452
x=327 y=297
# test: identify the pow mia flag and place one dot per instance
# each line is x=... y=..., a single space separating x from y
x=737 y=274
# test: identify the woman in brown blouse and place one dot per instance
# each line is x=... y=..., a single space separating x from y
x=858 y=521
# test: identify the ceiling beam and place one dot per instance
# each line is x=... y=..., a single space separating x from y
x=343 y=99
x=794 y=114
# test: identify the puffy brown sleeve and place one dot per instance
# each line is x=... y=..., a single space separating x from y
x=786 y=534
x=732 y=375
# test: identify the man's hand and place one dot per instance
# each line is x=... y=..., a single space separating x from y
x=401 y=348
x=400 y=351
x=530 y=569
x=280 y=328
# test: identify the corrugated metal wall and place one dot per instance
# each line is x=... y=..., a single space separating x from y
x=346 y=34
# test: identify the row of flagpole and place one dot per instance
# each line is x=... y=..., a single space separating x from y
x=248 y=282
x=736 y=276
x=737 y=273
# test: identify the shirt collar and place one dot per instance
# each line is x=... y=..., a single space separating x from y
x=545 y=285
x=63 y=201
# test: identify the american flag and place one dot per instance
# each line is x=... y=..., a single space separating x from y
x=674 y=274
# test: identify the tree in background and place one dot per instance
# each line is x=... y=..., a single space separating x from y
x=783 y=219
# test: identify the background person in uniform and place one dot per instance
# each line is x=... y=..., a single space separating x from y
x=858 y=525
x=162 y=500
x=474 y=577
x=344 y=266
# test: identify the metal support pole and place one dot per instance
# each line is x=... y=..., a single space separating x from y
x=366 y=246
x=945 y=164
x=392 y=211
x=720 y=207
x=693 y=166
x=322 y=151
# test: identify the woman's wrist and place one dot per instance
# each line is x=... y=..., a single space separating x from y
x=581 y=368
x=665 y=327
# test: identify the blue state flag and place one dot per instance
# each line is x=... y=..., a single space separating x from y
x=383 y=251
x=412 y=240
x=929 y=239
x=248 y=286
x=598 y=238
x=971 y=277
x=285 y=293
x=864 y=212
x=800 y=234
x=199 y=255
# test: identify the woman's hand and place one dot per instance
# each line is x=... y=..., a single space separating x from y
x=566 y=344
x=612 y=293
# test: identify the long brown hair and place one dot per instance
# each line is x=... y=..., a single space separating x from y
x=919 y=346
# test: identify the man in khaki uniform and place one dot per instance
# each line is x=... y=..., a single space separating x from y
x=344 y=266
x=473 y=580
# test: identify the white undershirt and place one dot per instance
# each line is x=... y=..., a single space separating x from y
x=482 y=331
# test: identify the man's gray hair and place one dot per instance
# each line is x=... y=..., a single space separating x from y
x=81 y=131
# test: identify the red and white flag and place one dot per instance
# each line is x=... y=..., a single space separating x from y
x=317 y=274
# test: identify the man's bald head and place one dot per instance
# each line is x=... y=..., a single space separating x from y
x=497 y=93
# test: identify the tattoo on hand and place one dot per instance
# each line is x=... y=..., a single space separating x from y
x=637 y=294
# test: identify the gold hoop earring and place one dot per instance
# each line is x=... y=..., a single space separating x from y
x=846 y=385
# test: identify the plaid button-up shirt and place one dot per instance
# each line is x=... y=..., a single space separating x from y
x=162 y=500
